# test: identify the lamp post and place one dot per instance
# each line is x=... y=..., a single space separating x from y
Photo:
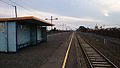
x=51 y=19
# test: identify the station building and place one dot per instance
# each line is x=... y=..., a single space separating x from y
x=16 y=33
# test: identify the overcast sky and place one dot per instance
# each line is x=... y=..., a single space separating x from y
x=70 y=13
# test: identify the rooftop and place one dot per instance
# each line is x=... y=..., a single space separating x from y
x=27 y=19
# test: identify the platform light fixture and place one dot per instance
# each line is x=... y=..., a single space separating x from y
x=51 y=19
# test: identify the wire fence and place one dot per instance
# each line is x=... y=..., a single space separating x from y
x=113 y=32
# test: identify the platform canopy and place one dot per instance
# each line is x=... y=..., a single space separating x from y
x=27 y=20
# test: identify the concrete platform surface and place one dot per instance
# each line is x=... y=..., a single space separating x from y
x=45 y=55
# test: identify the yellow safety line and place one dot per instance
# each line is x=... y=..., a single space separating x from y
x=66 y=56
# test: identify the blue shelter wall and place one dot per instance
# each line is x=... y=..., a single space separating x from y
x=33 y=35
x=8 y=37
x=39 y=35
x=3 y=35
x=11 y=37
x=16 y=35
x=23 y=35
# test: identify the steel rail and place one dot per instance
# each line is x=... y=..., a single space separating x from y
x=108 y=62
x=102 y=54
x=85 y=53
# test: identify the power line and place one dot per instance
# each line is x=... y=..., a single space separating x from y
x=28 y=9
x=12 y=6
x=6 y=3
x=18 y=4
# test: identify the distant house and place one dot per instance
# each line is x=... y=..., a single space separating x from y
x=16 y=33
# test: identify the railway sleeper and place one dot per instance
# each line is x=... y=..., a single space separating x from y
x=101 y=65
x=105 y=63
x=98 y=62
x=96 y=57
x=92 y=54
x=90 y=50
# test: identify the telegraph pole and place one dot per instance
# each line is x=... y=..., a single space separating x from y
x=51 y=19
x=15 y=10
x=12 y=6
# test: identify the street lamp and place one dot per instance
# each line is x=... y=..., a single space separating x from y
x=51 y=19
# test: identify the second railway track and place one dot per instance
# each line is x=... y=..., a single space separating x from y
x=94 y=58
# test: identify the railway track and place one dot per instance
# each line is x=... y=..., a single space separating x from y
x=94 y=58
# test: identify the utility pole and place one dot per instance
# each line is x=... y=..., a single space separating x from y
x=12 y=6
x=51 y=19
x=15 y=10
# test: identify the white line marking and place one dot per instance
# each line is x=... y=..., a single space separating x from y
x=67 y=52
